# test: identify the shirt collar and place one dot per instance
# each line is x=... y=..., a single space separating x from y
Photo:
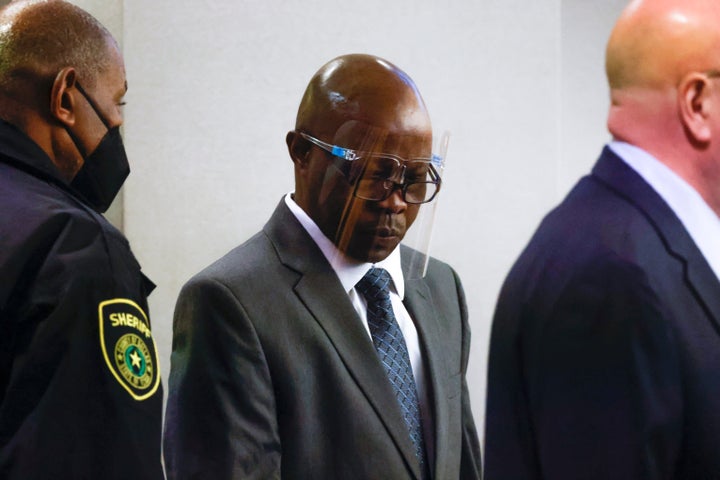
x=348 y=270
x=697 y=217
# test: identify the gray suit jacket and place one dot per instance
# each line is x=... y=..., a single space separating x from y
x=274 y=376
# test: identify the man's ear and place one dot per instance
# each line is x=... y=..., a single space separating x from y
x=694 y=95
x=62 y=97
x=299 y=149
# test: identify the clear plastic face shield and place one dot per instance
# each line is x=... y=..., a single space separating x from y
x=380 y=193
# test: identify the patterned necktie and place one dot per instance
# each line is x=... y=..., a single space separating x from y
x=392 y=350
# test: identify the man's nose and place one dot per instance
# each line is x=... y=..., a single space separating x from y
x=395 y=202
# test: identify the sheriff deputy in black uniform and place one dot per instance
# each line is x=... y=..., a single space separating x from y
x=80 y=394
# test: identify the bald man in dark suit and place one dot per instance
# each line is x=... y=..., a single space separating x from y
x=605 y=343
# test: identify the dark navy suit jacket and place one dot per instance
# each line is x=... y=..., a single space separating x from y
x=605 y=347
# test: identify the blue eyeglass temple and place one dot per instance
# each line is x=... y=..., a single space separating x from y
x=344 y=153
x=350 y=155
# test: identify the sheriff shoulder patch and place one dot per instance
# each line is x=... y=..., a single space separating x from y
x=128 y=347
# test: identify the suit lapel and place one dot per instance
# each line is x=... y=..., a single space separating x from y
x=615 y=173
x=321 y=292
x=418 y=301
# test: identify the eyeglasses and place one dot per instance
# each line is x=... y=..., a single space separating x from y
x=377 y=175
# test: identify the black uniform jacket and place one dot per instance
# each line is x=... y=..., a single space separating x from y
x=80 y=394
x=605 y=347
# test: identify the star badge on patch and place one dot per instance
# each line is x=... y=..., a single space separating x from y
x=128 y=347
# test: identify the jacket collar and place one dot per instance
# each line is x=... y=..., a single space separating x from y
x=19 y=150
x=612 y=171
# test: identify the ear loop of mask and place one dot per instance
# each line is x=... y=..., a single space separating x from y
x=95 y=108
x=92 y=105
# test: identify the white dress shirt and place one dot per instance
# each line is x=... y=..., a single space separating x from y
x=350 y=272
x=697 y=217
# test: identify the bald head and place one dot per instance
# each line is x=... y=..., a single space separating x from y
x=663 y=64
x=656 y=42
x=361 y=89
x=364 y=103
x=38 y=38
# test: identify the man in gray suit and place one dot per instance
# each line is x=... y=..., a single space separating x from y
x=312 y=350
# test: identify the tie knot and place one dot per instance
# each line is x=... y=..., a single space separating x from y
x=374 y=284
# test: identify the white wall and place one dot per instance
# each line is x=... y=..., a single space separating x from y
x=586 y=26
x=214 y=87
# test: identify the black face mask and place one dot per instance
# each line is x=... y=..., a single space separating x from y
x=105 y=168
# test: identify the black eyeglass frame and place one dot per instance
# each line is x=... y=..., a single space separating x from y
x=349 y=157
